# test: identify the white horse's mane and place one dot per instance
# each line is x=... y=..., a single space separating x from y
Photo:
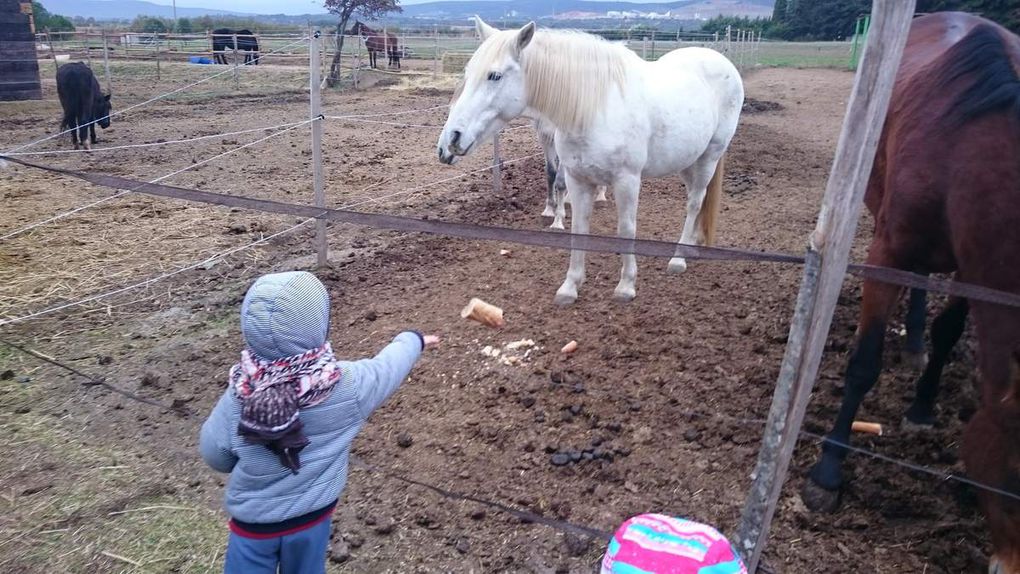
x=568 y=75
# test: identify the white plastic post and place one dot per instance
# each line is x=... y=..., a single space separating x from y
x=315 y=99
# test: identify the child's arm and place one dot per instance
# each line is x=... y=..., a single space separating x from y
x=214 y=443
x=378 y=377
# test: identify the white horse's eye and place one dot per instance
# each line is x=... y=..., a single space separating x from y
x=495 y=76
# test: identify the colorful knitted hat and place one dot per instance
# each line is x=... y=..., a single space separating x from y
x=658 y=544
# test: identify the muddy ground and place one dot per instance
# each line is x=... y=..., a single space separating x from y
x=96 y=482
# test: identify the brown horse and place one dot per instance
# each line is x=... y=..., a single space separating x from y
x=945 y=193
x=377 y=41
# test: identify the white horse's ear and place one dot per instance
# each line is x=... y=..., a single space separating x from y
x=524 y=36
x=484 y=30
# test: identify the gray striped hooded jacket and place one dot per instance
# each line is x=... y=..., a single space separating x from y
x=283 y=315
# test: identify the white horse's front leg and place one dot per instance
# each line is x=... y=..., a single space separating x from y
x=696 y=178
x=626 y=193
x=580 y=214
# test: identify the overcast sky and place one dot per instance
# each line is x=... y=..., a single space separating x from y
x=263 y=6
x=269 y=6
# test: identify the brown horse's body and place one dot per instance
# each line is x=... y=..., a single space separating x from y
x=945 y=193
x=376 y=41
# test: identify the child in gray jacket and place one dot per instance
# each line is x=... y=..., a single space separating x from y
x=284 y=427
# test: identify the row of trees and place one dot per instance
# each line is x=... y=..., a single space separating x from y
x=154 y=24
x=835 y=19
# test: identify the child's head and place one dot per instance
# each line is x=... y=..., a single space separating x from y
x=285 y=314
x=663 y=544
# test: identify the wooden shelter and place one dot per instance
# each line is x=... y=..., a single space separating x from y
x=19 y=67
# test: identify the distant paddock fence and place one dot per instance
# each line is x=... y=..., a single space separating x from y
x=440 y=51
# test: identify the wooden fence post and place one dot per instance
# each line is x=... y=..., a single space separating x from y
x=357 y=65
x=53 y=53
x=828 y=254
x=497 y=167
x=106 y=62
x=315 y=98
x=237 y=78
x=157 y=59
x=88 y=50
x=435 y=54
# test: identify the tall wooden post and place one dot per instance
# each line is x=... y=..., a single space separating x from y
x=435 y=53
x=315 y=97
x=88 y=50
x=53 y=53
x=157 y=59
x=828 y=254
x=237 y=78
x=106 y=62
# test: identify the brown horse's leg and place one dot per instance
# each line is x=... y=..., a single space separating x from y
x=917 y=316
x=821 y=492
x=945 y=332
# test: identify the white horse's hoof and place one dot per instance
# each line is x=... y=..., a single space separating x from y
x=601 y=197
x=557 y=225
x=549 y=212
x=677 y=265
x=565 y=296
x=624 y=295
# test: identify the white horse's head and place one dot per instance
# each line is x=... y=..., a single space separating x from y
x=492 y=94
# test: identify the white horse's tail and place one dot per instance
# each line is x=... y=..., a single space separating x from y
x=710 y=207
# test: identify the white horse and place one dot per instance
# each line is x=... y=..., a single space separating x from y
x=556 y=186
x=618 y=118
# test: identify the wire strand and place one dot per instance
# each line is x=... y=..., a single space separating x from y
x=157 y=180
x=231 y=251
x=146 y=102
x=151 y=144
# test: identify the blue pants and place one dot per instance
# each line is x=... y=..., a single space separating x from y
x=300 y=553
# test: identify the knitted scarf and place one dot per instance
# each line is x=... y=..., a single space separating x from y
x=272 y=393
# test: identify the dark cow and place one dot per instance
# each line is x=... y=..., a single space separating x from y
x=83 y=102
x=223 y=40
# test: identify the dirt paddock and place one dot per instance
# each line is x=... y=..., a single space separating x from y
x=92 y=481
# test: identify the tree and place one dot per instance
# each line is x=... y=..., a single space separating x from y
x=1005 y=12
x=344 y=9
x=184 y=26
x=44 y=20
x=149 y=24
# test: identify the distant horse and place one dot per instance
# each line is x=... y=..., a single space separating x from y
x=223 y=40
x=377 y=41
x=83 y=102
x=945 y=193
x=618 y=119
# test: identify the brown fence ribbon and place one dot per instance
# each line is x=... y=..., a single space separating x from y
x=593 y=243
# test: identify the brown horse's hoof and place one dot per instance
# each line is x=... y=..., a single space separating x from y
x=915 y=361
x=819 y=499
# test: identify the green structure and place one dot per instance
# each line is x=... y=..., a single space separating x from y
x=860 y=36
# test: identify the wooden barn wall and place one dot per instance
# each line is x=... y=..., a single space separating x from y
x=19 y=68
